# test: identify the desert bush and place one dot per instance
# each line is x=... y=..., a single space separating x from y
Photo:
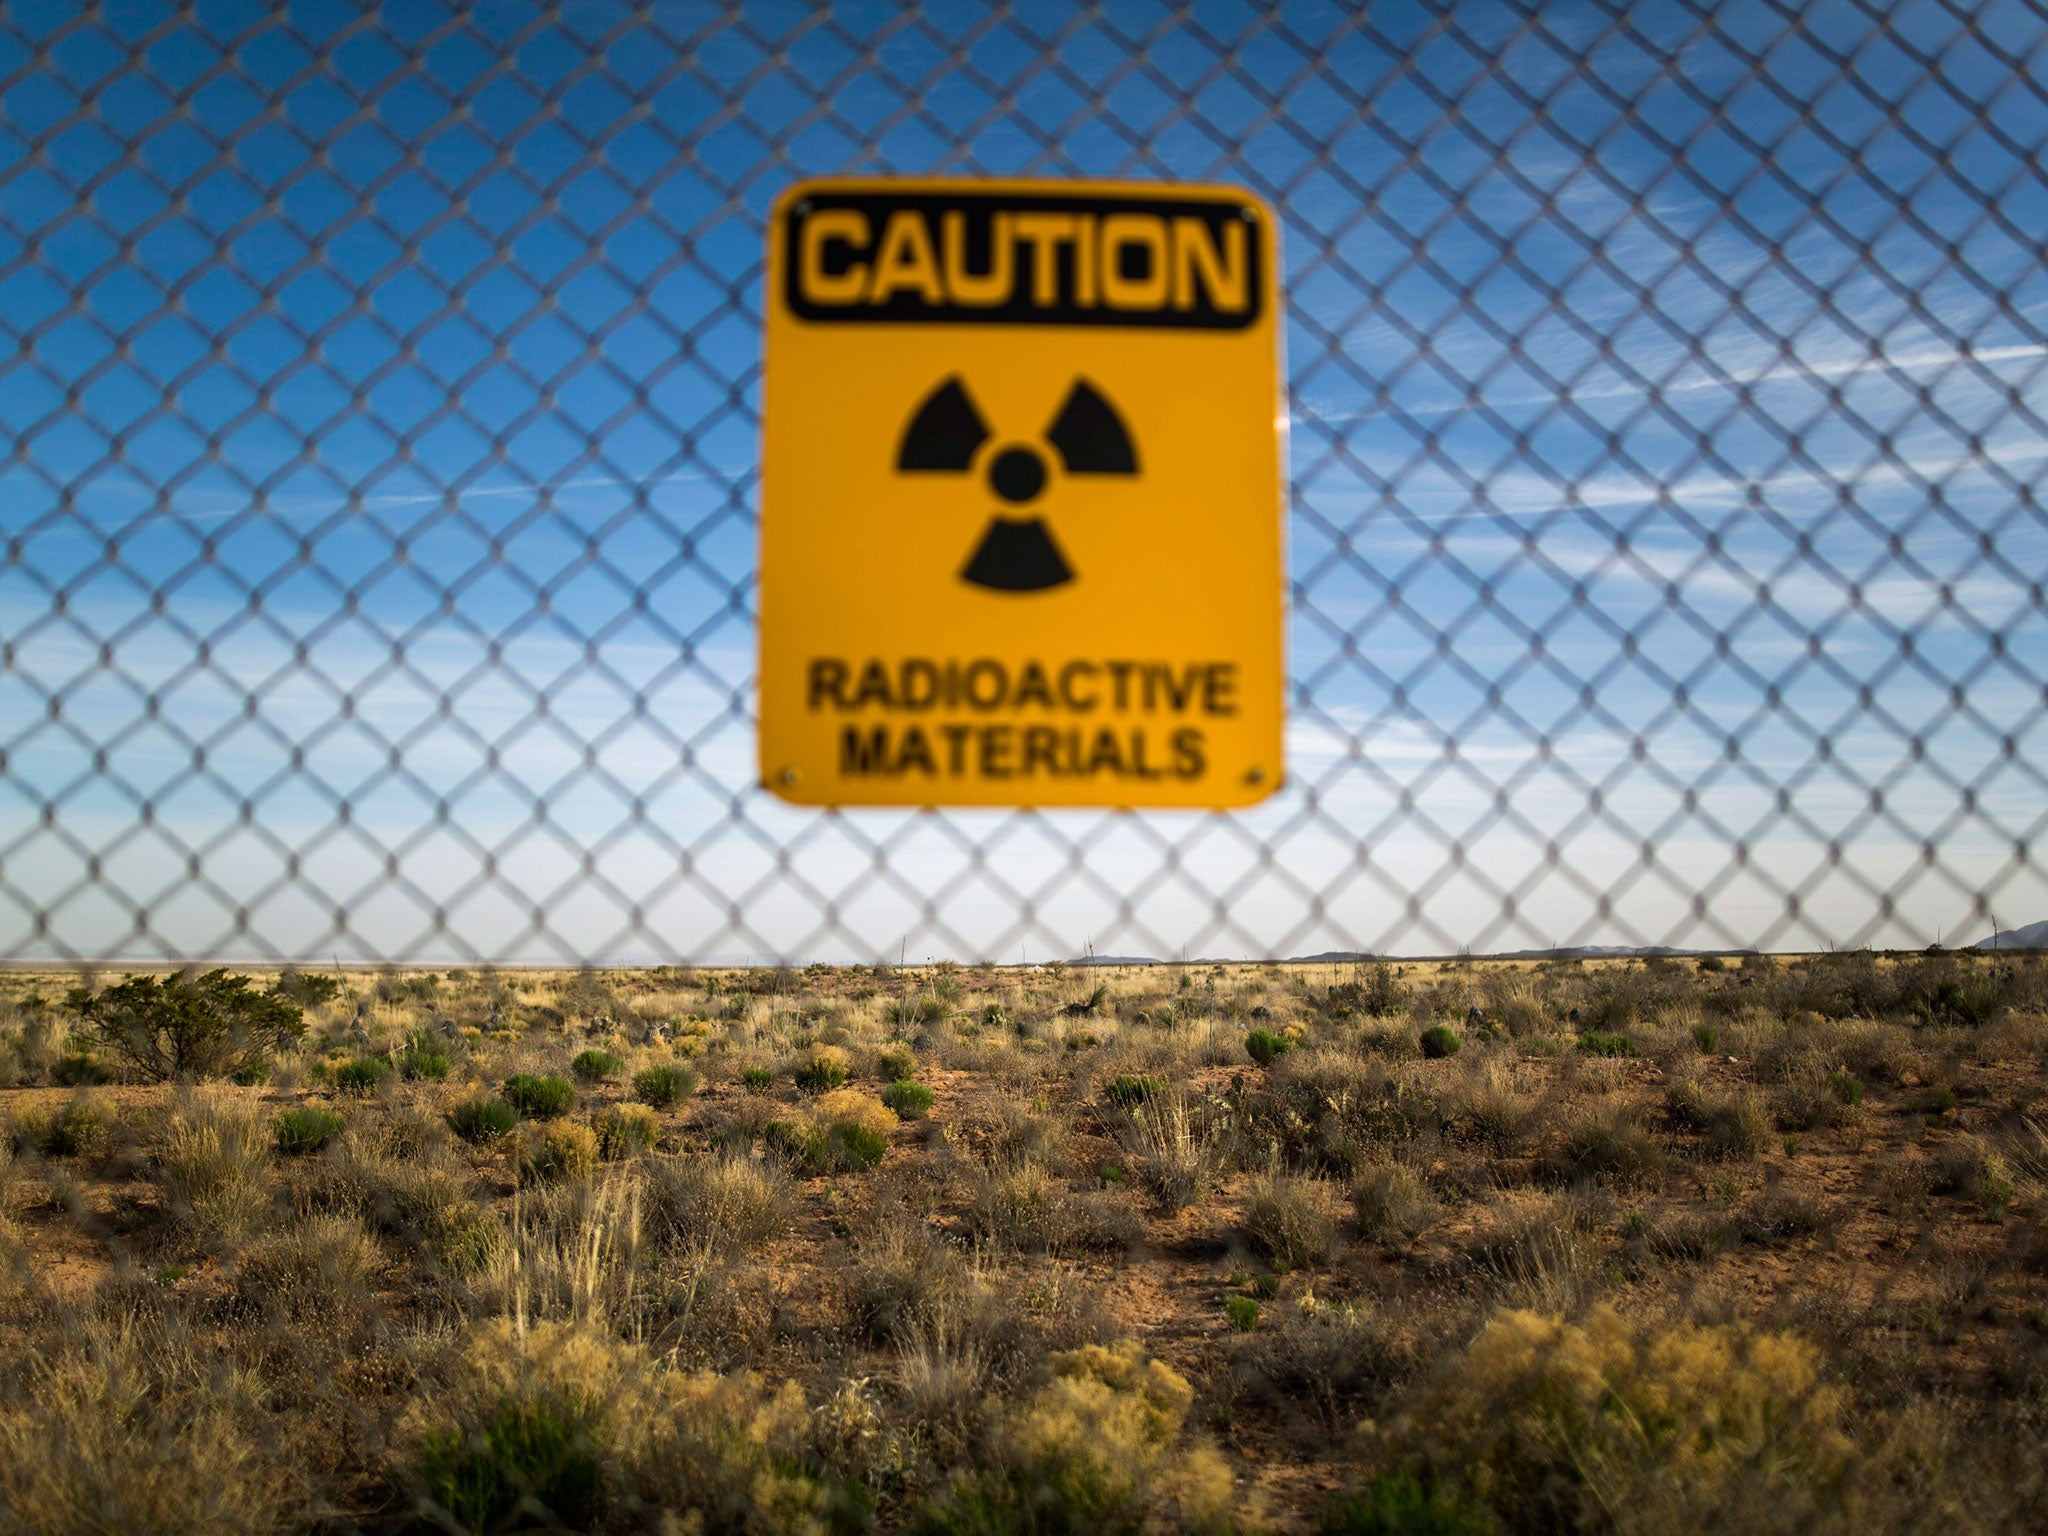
x=462 y=1240
x=82 y=1128
x=1174 y=1147
x=851 y=1146
x=296 y=1132
x=1262 y=1045
x=1731 y=1125
x=595 y=1434
x=1243 y=1312
x=1493 y=1107
x=1602 y=1043
x=210 y=1160
x=908 y=1099
x=309 y=989
x=799 y=1142
x=900 y=1280
x=824 y=1070
x=1399 y=1503
x=624 y=1130
x=138 y=1428
x=1389 y=1198
x=1608 y=1143
x=524 y=1460
x=1577 y=1426
x=377 y=1171
x=1128 y=1092
x=756 y=1079
x=424 y=1062
x=1736 y=1125
x=539 y=1098
x=81 y=1069
x=1029 y=1209
x=1779 y=1216
x=1439 y=1041
x=1098 y=1446
x=480 y=1120
x=595 y=1066
x=573 y=1250
x=312 y=1271
x=1536 y=1251
x=549 y=1154
x=663 y=1086
x=1338 y=1361
x=1815 y=1097
x=186 y=1027
x=362 y=1076
x=896 y=1064
x=1289 y=1219
x=723 y=1201
x=845 y=1129
x=1971 y=1167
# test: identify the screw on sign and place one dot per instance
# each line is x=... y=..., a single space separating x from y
x=1021 y=496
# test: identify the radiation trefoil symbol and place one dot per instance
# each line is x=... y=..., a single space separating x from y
x=1016 y=554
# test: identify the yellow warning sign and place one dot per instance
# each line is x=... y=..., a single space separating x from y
x=1021 y=495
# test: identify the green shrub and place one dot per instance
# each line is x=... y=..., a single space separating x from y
x=309 y=989
x=908 y=1099
x=527 y=1464
x=1706 y=1037
x=251 y=1074
x=1595 y=1043
x=480 y=1120
x=1243 y=1312
x=1262 y=1045
x=424 y=1064
x=188 y=1027
x=1399 y=1503
x=850 y=1146
x=462 y=1239
x=625 y=1130
x=663 y=1086
x=359 y=1078
x=80 y=1129
x=80 y=1069
x=797 y=1141
x=1439 y=1041
x=595 y=1066
x=825 y=1070
x=756 y=1079
x=539 y=1098
x=297 y=1132
x=1847 y=1087
x=897 y=1064
x=1128 y=1092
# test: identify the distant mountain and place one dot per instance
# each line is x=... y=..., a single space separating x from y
x=2033 y=936
x=1566 y=952
x=1114 y=960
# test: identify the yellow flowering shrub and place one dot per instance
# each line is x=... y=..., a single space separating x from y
x=1601 y=1424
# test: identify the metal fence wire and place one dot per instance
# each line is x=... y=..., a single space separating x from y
x=380 y=391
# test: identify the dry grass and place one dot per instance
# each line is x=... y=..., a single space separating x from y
x=1775 y=1263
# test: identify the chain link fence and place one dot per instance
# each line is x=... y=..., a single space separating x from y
x=380 y=396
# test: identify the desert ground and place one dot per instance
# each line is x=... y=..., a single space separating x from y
x=1744 y=1243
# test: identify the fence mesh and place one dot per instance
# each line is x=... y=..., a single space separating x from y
x=380 y=390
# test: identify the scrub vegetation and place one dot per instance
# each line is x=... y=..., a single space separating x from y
x=1736 y=1243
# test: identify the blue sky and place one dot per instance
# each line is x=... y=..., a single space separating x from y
x=1667 y=413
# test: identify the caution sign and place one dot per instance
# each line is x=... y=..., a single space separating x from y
x=1021 y=496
